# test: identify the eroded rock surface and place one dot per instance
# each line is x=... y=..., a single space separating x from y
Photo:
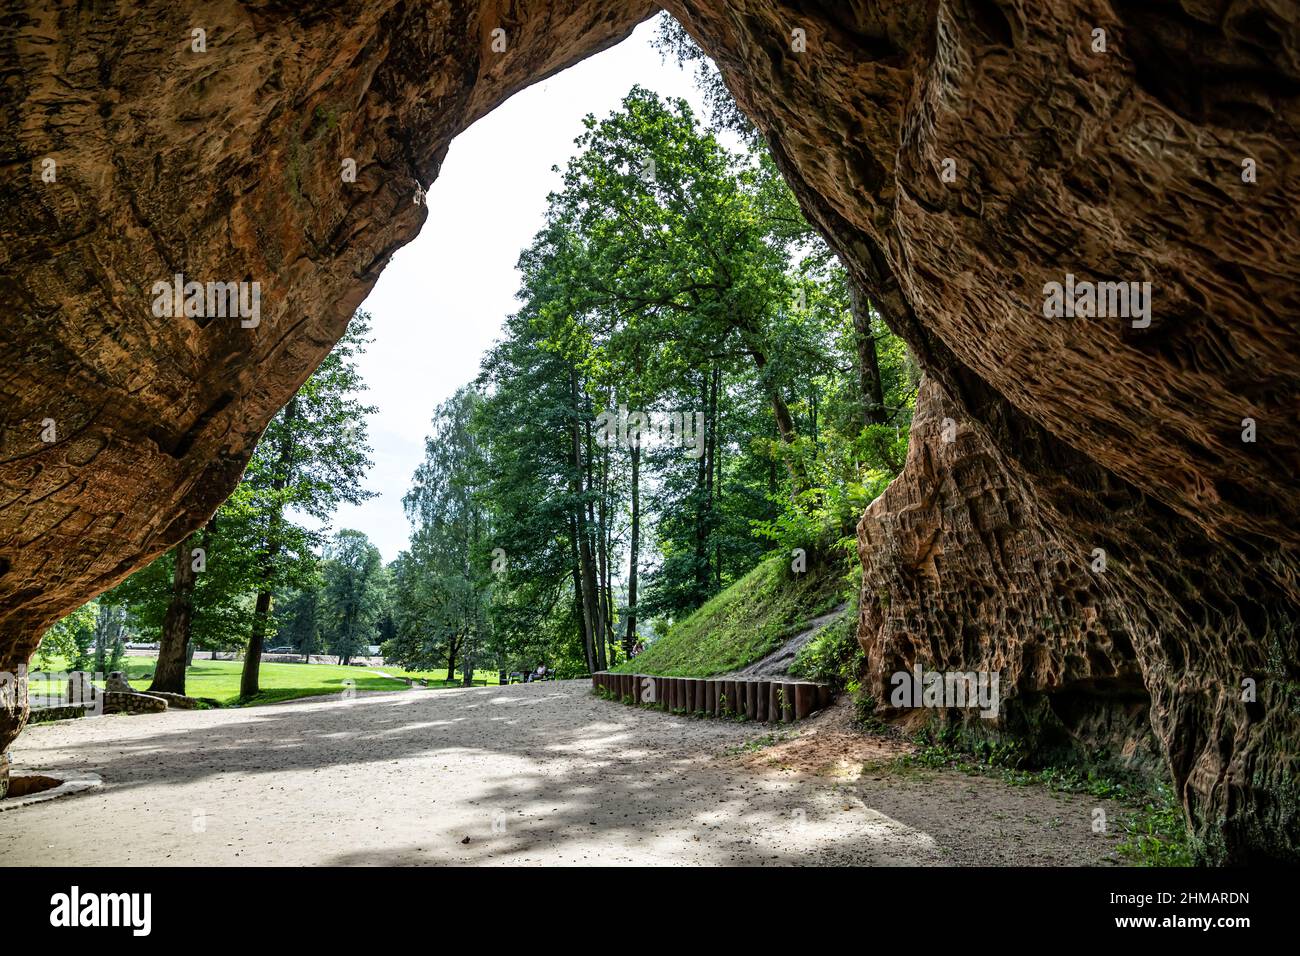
x=120 y=431
x=1121 y=165
x=961 y=575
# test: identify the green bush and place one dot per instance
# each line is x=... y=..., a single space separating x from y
x=834 y=655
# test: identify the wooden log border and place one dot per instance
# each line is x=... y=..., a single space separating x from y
x=760 y=699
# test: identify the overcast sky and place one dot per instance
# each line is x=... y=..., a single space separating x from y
x=443 y=298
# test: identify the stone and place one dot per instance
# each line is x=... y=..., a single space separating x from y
x=960 y=575
x=960 y=157
x=117 y=682
x=117 y=702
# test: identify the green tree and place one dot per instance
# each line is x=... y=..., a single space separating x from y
x=300 y=621
x=71 y=638
x=312 y=457
x=199 y=593
x=352 y=598
x=445 y=581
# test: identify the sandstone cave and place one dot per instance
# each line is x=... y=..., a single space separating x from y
x=1169 y=158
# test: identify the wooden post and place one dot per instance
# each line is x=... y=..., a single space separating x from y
x=805 y=700
x=762 y=689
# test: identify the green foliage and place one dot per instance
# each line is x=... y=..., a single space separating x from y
x=1155 y=834
x=352 y=598
x=223 y=608
x=110 y=636
x=834 y=655
x=300 y=622
x=313 y=457
x=744 y=623
x=70 y=640
x=443 y=585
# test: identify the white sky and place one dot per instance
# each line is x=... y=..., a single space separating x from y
x=443 y=298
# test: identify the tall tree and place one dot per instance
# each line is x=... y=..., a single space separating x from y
x=313 y=457
x=353 y=595
x=197 y=594
x=450 y=555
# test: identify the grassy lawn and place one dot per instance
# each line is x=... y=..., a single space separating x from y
x=219 y=680
x=437 y=677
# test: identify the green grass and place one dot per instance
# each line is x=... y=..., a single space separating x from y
x=219 y=680
x=438 y=676
x=742 y=624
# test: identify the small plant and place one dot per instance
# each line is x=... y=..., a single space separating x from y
x=1155 y=834
x=864 y=714
x=834 y=655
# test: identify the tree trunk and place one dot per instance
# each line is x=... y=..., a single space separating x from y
x=605 y=533
x=452 y=646
x=591 y=540
x=870 y=384
x=467 y=662
x=579 y=609
x=591 y=618
x=249 y=685
x=634 y=547
x=169 y=674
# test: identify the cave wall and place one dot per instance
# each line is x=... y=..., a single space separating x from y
x=961 y=574
x=1124 y=164
x=222 y=165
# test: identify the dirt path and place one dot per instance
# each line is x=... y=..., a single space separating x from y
x=526 y=773
x=778 y=662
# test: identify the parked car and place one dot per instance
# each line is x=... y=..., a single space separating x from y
x=281 y=650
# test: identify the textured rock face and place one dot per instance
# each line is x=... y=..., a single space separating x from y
x=1122 y=165
x=960 y=575
x=225 y=165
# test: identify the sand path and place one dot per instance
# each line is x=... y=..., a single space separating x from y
x=527 y=773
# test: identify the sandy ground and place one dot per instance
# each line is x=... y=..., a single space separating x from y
x=530 y=773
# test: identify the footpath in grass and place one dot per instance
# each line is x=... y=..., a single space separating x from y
x=743 y=623
x=219 y=680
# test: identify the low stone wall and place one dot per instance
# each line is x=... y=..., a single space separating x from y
x=42 y=715
x=117 y=702
x=180 y=701
x=774 y=700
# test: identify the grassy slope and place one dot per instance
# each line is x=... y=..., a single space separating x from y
x=220 y=679
x=742 y=624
